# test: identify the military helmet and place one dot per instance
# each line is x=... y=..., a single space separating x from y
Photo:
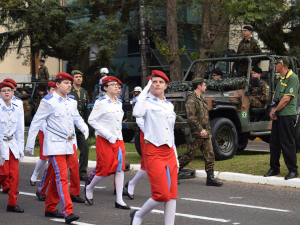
x=104 y=70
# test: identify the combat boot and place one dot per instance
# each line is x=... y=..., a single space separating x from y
x=210 y=180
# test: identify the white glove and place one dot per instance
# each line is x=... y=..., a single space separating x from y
x=86 y=134
x=29 y=151
x=2 y=160
x=112 y=139
x=21 y=156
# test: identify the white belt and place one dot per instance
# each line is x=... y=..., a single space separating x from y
x=60 y=134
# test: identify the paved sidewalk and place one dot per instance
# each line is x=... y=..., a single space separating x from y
x=229 y=176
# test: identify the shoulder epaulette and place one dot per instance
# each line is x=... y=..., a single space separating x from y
x=120 y=99
x=14 y=104
x=71 y=96
x=18 y=98
x=101 y=98
x=48 y=96
x=168 y=100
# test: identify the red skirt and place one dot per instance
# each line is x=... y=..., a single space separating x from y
x=107 y=156
x=161 y=166
x=142 y=146
x=41 y=141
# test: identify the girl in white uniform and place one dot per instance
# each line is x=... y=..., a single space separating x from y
x=160 y=155
x=106 y=119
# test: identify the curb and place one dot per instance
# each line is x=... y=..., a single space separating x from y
x=229 y=176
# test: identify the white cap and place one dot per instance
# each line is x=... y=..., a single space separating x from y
x=104 y=70
x=138 y=88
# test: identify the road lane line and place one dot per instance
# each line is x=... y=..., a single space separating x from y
x=82 y=185
x=187 y=215
x=153 y=211
x=74 y=222
x=232 y=204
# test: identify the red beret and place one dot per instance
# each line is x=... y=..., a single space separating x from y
x=159 y=74
x=51 y=84
x=64 y=76
x=120 y=83
x=11 y=81
x=6 y=84
x=109 y=79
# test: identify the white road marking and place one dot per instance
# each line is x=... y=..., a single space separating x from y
x=74 y=222
x=187 y=215
x=82 y=185
x=233 y=204
x=26 y=193
x=235 y=197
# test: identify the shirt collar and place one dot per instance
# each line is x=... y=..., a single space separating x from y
x=152 y=97
x=110 y=101
x=59 y=98
x=4 y=107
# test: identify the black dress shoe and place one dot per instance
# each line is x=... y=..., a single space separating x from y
x=32 y=183
x=14 y=208
x=5 y=191
x=272 y=173
x=77 y=199
x=291 y=175
x=118 y=206
x=70 y=218
x=132 y=214
x=124 y=192
x=55 y=214
x=90 y=201
x=129 y=195
x=40 y=196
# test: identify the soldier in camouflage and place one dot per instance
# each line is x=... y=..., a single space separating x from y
x=198 y=132
x=247 y=46
x=259 y=95
x=43 y=73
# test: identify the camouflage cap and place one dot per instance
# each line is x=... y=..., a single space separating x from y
x=198 y=80
x=283 y=60
x=76 y=72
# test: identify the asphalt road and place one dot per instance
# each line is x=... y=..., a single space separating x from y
x=234 y=203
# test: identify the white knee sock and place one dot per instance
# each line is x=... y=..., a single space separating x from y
x=146 y=208
x=91 y=186
x=134 y=180
x=119 y=180
x=169 y=212
x=39 y=165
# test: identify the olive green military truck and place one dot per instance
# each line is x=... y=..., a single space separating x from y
x=233 y=122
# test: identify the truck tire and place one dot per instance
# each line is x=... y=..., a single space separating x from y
x=224 y=138
x=128 y=135
x=137 y=141
x=242 y=142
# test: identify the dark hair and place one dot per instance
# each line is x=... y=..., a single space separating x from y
x=49 y=87
x=104 y=85
x=195 y=85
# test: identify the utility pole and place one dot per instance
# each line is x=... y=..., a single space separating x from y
x=144 y=61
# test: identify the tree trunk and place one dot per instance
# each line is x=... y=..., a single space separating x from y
x=32 y=60
x=208 y=36
x=172 y=38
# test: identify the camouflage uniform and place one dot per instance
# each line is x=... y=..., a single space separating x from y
x=247 y=47
x=198 y=119
x=259 y=95
x=37 y=103
x=43 y=73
